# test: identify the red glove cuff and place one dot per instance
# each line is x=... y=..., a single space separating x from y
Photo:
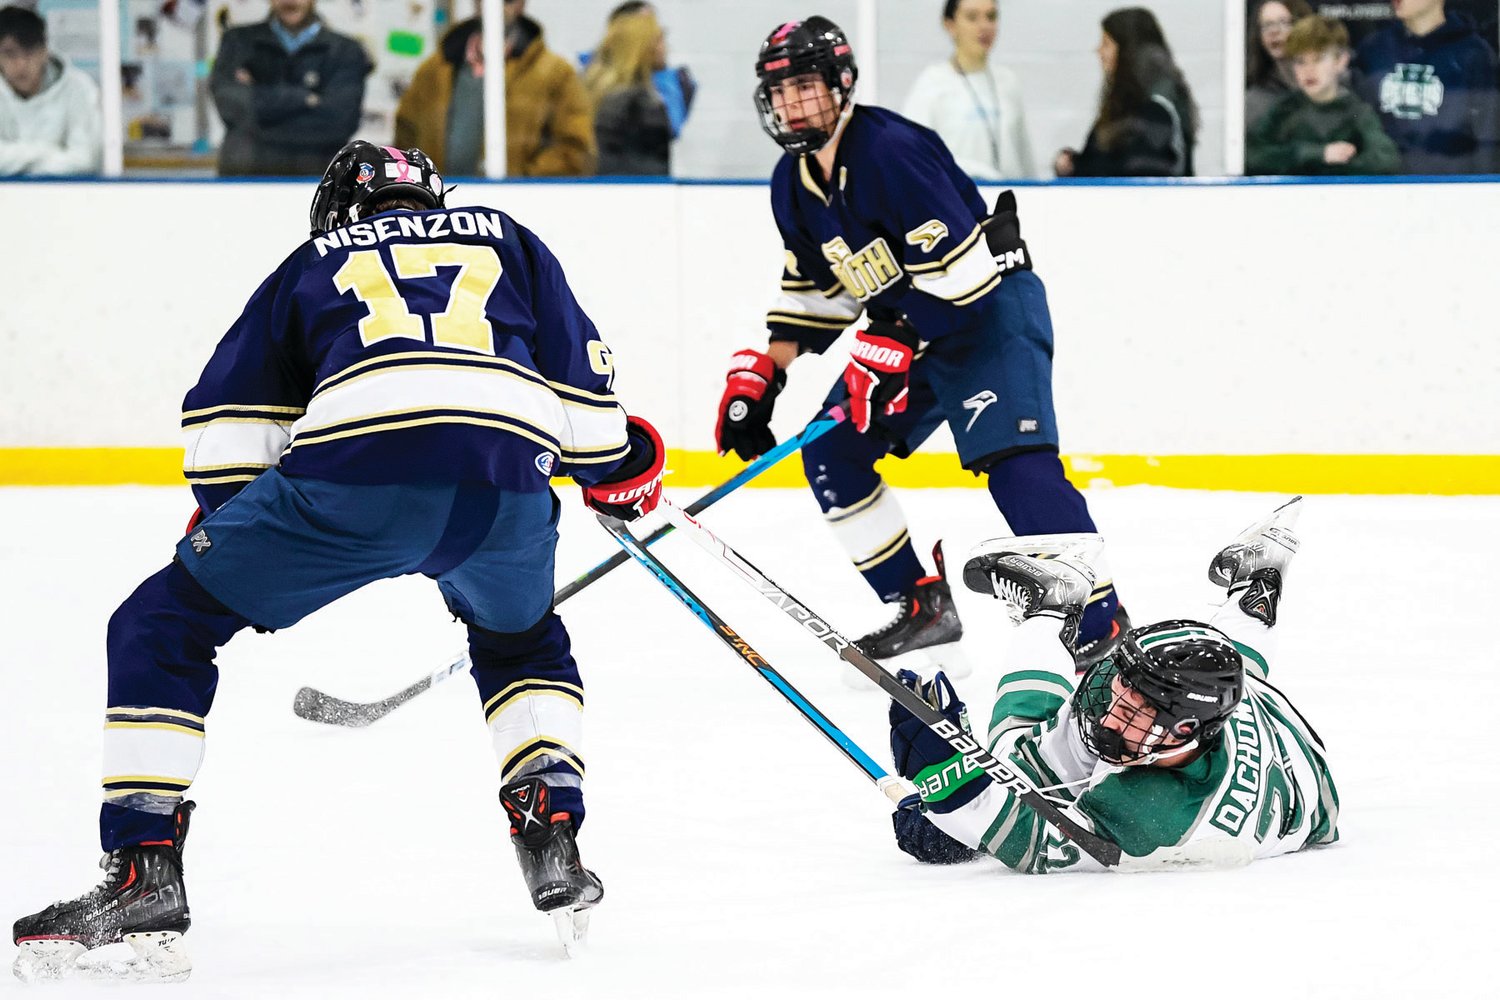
x=750 y=374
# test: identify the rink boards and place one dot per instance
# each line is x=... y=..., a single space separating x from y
x=1316 y=337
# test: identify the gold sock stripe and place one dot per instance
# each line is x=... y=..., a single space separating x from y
x=165 y=726
x=540 y=746
x=139 y=710
x=885 y=552
x=513 y=690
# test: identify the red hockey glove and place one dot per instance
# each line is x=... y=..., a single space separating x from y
x=193 y=521
x=750 y=390
x=879 y=372
x=635 y=489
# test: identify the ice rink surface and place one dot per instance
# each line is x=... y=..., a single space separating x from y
x=742 y=856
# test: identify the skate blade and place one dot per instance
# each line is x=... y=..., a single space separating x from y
x=572 y=924
x=948 y=657
x=1042 y=546
x=159 y=957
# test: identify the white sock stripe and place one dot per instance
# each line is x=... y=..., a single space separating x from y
x=870 y=528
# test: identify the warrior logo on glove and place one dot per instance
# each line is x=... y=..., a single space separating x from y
x=879 y=372
x=635 y=489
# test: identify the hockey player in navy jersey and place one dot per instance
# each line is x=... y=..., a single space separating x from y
x=395 y=399
x=876 y=216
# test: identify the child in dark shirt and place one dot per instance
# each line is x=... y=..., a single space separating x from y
x=1320 y=128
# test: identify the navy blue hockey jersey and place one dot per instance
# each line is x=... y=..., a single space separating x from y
x=895 y=228
x=438 y=346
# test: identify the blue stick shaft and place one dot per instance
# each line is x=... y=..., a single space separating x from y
x=822 y=425
x=893 y=787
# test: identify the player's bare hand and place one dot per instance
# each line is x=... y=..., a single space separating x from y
x=1063 y=165
x=1339 y=152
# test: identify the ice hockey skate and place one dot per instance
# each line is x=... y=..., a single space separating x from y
x=142 y=902
x=545 y=847
x=924 y=636
x=1253 y=566
x=1037 y=575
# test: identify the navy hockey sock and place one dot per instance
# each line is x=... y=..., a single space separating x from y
x=533 y=703
x=1036 y=498
x=161 y=644
x=862 y=512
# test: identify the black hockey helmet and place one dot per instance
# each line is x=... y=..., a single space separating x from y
x=815 y=45
x=1191 y=673
x=362 y=173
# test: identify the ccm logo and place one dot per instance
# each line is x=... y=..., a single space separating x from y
x=892 y=356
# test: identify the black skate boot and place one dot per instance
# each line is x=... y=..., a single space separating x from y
x=1038 y=575
x=1253 y=566
x=142 y=901
x=926 y=625
x=559 y=884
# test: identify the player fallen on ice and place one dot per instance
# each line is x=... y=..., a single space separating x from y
x=394 y=399
x=1176 y=747
x=875 y=215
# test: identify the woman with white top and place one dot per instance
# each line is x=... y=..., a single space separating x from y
x=973 y=106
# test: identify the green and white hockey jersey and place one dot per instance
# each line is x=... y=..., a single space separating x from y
x=1264 y=790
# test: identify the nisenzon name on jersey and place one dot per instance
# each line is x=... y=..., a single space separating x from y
x=423 y=227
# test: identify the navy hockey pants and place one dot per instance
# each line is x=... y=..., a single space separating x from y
x=285 y=547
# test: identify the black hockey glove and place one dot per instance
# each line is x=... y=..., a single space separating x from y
x=750 y=391
x=1002 y=233
x=916 y=835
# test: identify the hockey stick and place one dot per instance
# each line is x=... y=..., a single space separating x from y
x=820 y=426
x=896 y=789
x=974 y=755
x=317 y=706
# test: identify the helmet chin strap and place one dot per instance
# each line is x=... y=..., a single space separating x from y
x=843 y=120
x=1164 y=754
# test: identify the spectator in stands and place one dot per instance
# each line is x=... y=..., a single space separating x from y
x=675 y=84
x=1322 y=128
x=974 y=106
x=549 y=129
x=289 y=90
x=1364 y=18
x=630 y=118
x=1268 y=68
x=1432 y=78
x=1147 y=123
x=49 y=111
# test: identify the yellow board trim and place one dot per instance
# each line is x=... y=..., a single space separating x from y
x=1444 y=475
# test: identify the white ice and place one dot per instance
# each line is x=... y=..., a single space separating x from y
x=742 y=856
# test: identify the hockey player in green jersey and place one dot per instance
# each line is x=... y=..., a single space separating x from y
x=1176 y=748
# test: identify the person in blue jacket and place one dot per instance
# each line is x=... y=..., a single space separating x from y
x=1432 y=78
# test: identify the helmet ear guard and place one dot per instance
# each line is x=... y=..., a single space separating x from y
x=363 y=174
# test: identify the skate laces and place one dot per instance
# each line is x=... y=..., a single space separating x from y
x=1016 y=597
x=895 y=623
